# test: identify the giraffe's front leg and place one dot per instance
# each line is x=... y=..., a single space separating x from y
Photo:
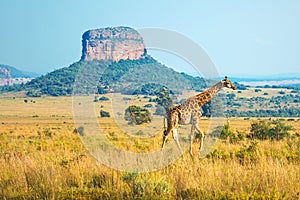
x=191 y=139
x=175 y=136
x=201 y=136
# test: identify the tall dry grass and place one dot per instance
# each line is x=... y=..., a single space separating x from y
x=42 y=158
x=48 y=161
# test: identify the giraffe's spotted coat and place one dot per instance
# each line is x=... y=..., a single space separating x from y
x=189 y=112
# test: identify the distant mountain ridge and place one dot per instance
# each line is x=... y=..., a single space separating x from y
x=16 y=73
x=10 y=75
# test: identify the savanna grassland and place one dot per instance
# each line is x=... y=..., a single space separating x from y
x=42 y=157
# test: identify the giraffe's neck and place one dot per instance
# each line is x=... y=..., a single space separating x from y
x=206 y=96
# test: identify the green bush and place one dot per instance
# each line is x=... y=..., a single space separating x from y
x=137 y=115
x=257 y=90
x=273 y=130
x=225 y=133
x=248 y=154
x=149 y=105
x=103 y=98
x=146 y=189
x=104 y=113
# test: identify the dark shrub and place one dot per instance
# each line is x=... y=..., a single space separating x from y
x=137 y=115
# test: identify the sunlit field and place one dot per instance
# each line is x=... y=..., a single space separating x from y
x=42 y=157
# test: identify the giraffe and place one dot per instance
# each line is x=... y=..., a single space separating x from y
x=189 y=112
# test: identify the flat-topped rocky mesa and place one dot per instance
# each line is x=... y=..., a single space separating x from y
x=112 y=44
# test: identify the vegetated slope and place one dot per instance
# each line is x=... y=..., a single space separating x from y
x=125 y=76
x=15 y=73
x=60 y=82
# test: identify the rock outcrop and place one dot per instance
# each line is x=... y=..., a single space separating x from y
x=5 y=78
x=112 y=44
x=10 y=75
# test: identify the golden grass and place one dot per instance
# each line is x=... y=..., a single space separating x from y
x=41 y=158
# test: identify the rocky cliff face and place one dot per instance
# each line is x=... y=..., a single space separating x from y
x=5 y=78
x=112 y=44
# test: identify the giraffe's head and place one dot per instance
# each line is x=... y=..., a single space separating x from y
x=227 y=83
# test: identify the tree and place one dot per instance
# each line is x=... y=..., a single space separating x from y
x=101 y=90
x=164 y=99
x=160 y=111
x=137 y=115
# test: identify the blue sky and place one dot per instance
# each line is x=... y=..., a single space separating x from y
x=243 y=38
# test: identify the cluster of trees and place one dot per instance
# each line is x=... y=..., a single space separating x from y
x=288 y=112
x=117 y=70
x=61 y=82
x=14 y=88
x=216 y=107
x=148 y=89
x=269 y=130
x=260 y=130
x=285 y=99
x=278 y=106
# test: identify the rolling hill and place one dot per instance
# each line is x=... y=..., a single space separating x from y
x=124 y=76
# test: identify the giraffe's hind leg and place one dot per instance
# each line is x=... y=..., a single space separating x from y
x=172 y=120
x=170 y=128
x=165 y=137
